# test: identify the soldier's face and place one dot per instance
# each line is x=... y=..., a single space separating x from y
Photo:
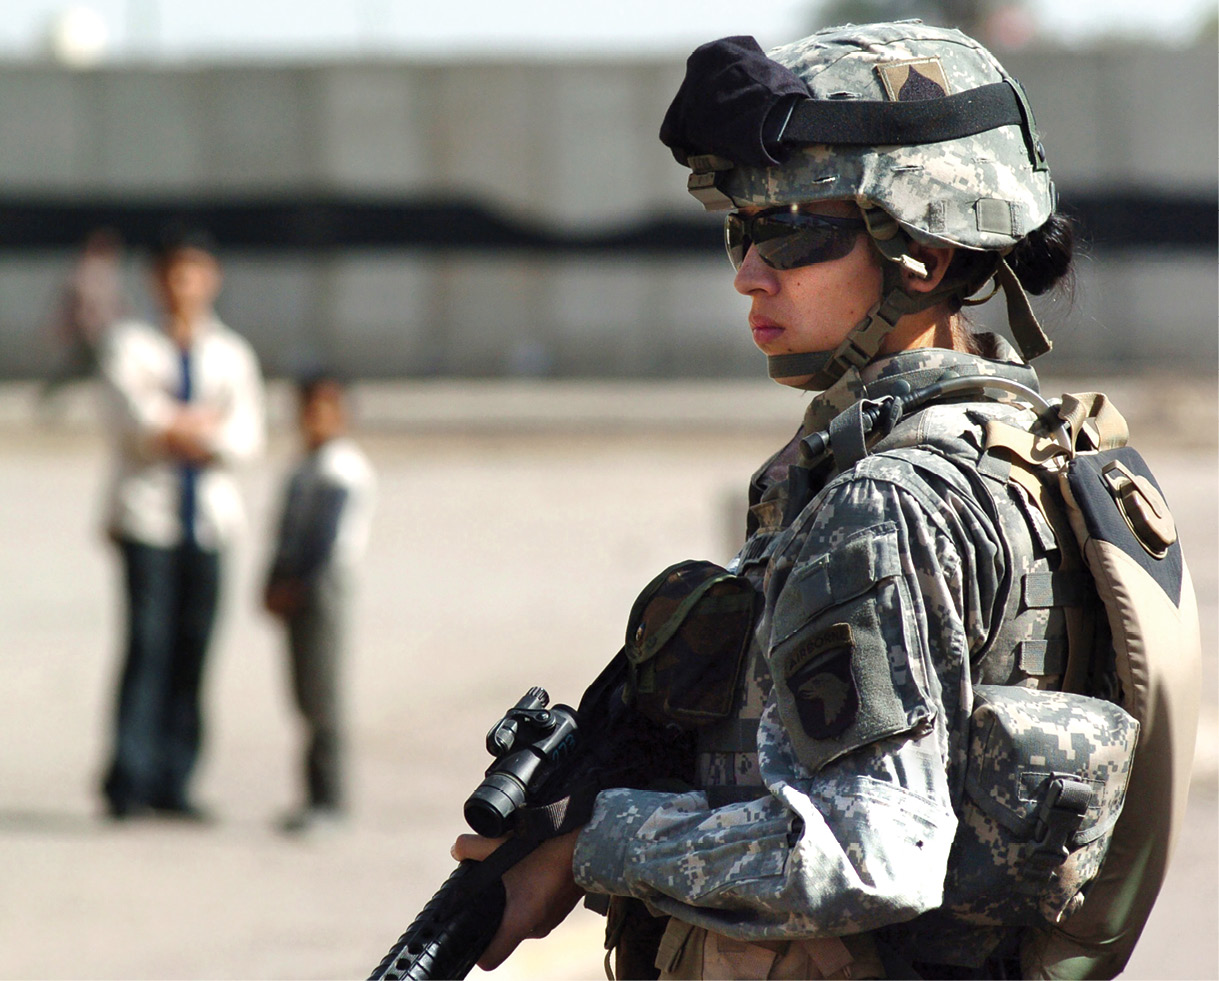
x=810 y=308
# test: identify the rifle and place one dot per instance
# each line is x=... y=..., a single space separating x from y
x=550 y=763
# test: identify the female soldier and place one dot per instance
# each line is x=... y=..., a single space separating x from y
x=878 y=177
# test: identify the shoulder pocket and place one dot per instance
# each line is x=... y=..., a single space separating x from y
x=687 y=636
x=836 y=621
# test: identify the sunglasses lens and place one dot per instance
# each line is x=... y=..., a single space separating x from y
x=735 y=240
x=790 y=240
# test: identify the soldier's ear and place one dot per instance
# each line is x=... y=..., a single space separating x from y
x=936 y=259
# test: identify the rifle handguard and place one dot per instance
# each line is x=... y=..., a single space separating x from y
x=449 y=935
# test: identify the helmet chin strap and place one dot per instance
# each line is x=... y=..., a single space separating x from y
x=858 y=348
x=861 y=345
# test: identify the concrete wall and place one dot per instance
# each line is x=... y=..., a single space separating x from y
x=571 y=145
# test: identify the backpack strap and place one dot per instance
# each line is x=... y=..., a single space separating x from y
x=1094 y=415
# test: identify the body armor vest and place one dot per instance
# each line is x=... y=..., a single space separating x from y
x=1028 y=646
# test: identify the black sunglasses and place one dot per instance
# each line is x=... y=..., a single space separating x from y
x=787 y=239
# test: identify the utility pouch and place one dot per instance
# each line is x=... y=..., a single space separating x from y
x=686 y=641
x=1044 y=786
x=632 y=938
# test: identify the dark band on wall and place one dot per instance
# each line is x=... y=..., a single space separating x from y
x=1126 y=219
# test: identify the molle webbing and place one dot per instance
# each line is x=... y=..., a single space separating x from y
x=1027 y=459
x=728 y=752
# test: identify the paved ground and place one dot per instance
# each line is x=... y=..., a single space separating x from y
x=486 y=576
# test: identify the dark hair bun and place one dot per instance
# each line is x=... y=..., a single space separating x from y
x=1044 y=255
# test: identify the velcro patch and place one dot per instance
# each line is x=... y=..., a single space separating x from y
x=820 y=679
x=995 y=215
x=913 y=79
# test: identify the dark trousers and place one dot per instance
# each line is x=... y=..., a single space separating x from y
x=315 y=645
x=172 y=596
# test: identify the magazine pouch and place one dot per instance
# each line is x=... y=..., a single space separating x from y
x=687 y=637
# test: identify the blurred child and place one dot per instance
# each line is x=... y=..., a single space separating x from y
x=323 y=531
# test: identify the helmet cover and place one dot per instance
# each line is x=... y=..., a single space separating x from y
x=982 y=191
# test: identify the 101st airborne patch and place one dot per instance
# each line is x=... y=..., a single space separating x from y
x=820 y=678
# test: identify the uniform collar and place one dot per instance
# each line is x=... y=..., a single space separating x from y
x=917 y=367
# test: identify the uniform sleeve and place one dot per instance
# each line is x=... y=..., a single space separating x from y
x=866 y=638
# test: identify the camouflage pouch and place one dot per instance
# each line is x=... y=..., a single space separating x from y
x=686 y=641
x=1044 y=785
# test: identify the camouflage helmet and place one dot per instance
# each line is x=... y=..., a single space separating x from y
x=919 y=125
x=985 y=190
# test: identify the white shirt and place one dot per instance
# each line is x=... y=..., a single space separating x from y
x=344 y=463
x=340 y=462
x=141 y=368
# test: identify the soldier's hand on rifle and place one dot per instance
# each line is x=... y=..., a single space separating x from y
x=541 y=891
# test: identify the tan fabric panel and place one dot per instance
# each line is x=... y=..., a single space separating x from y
x=689 y=952
x=1093 y=408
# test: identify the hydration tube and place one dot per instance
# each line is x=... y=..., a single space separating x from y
x=900 y=403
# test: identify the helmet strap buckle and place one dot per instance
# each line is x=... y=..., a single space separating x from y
x=890 y=240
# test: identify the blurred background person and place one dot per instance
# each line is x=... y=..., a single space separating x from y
x=186 y=406
x=324 y=526
x=91 y=300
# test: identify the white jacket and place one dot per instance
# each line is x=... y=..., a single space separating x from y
x=141 y=370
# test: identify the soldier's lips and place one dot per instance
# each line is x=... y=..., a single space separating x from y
x=765 y=332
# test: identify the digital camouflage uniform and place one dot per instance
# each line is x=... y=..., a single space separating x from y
x=831 y=813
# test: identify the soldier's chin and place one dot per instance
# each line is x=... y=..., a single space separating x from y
x=796 y=381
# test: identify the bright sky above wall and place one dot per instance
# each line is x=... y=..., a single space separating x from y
x=295 y=28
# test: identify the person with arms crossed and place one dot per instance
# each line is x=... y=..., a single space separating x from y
x=185 y=408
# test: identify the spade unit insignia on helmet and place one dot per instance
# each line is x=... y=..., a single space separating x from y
x=913 y=79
